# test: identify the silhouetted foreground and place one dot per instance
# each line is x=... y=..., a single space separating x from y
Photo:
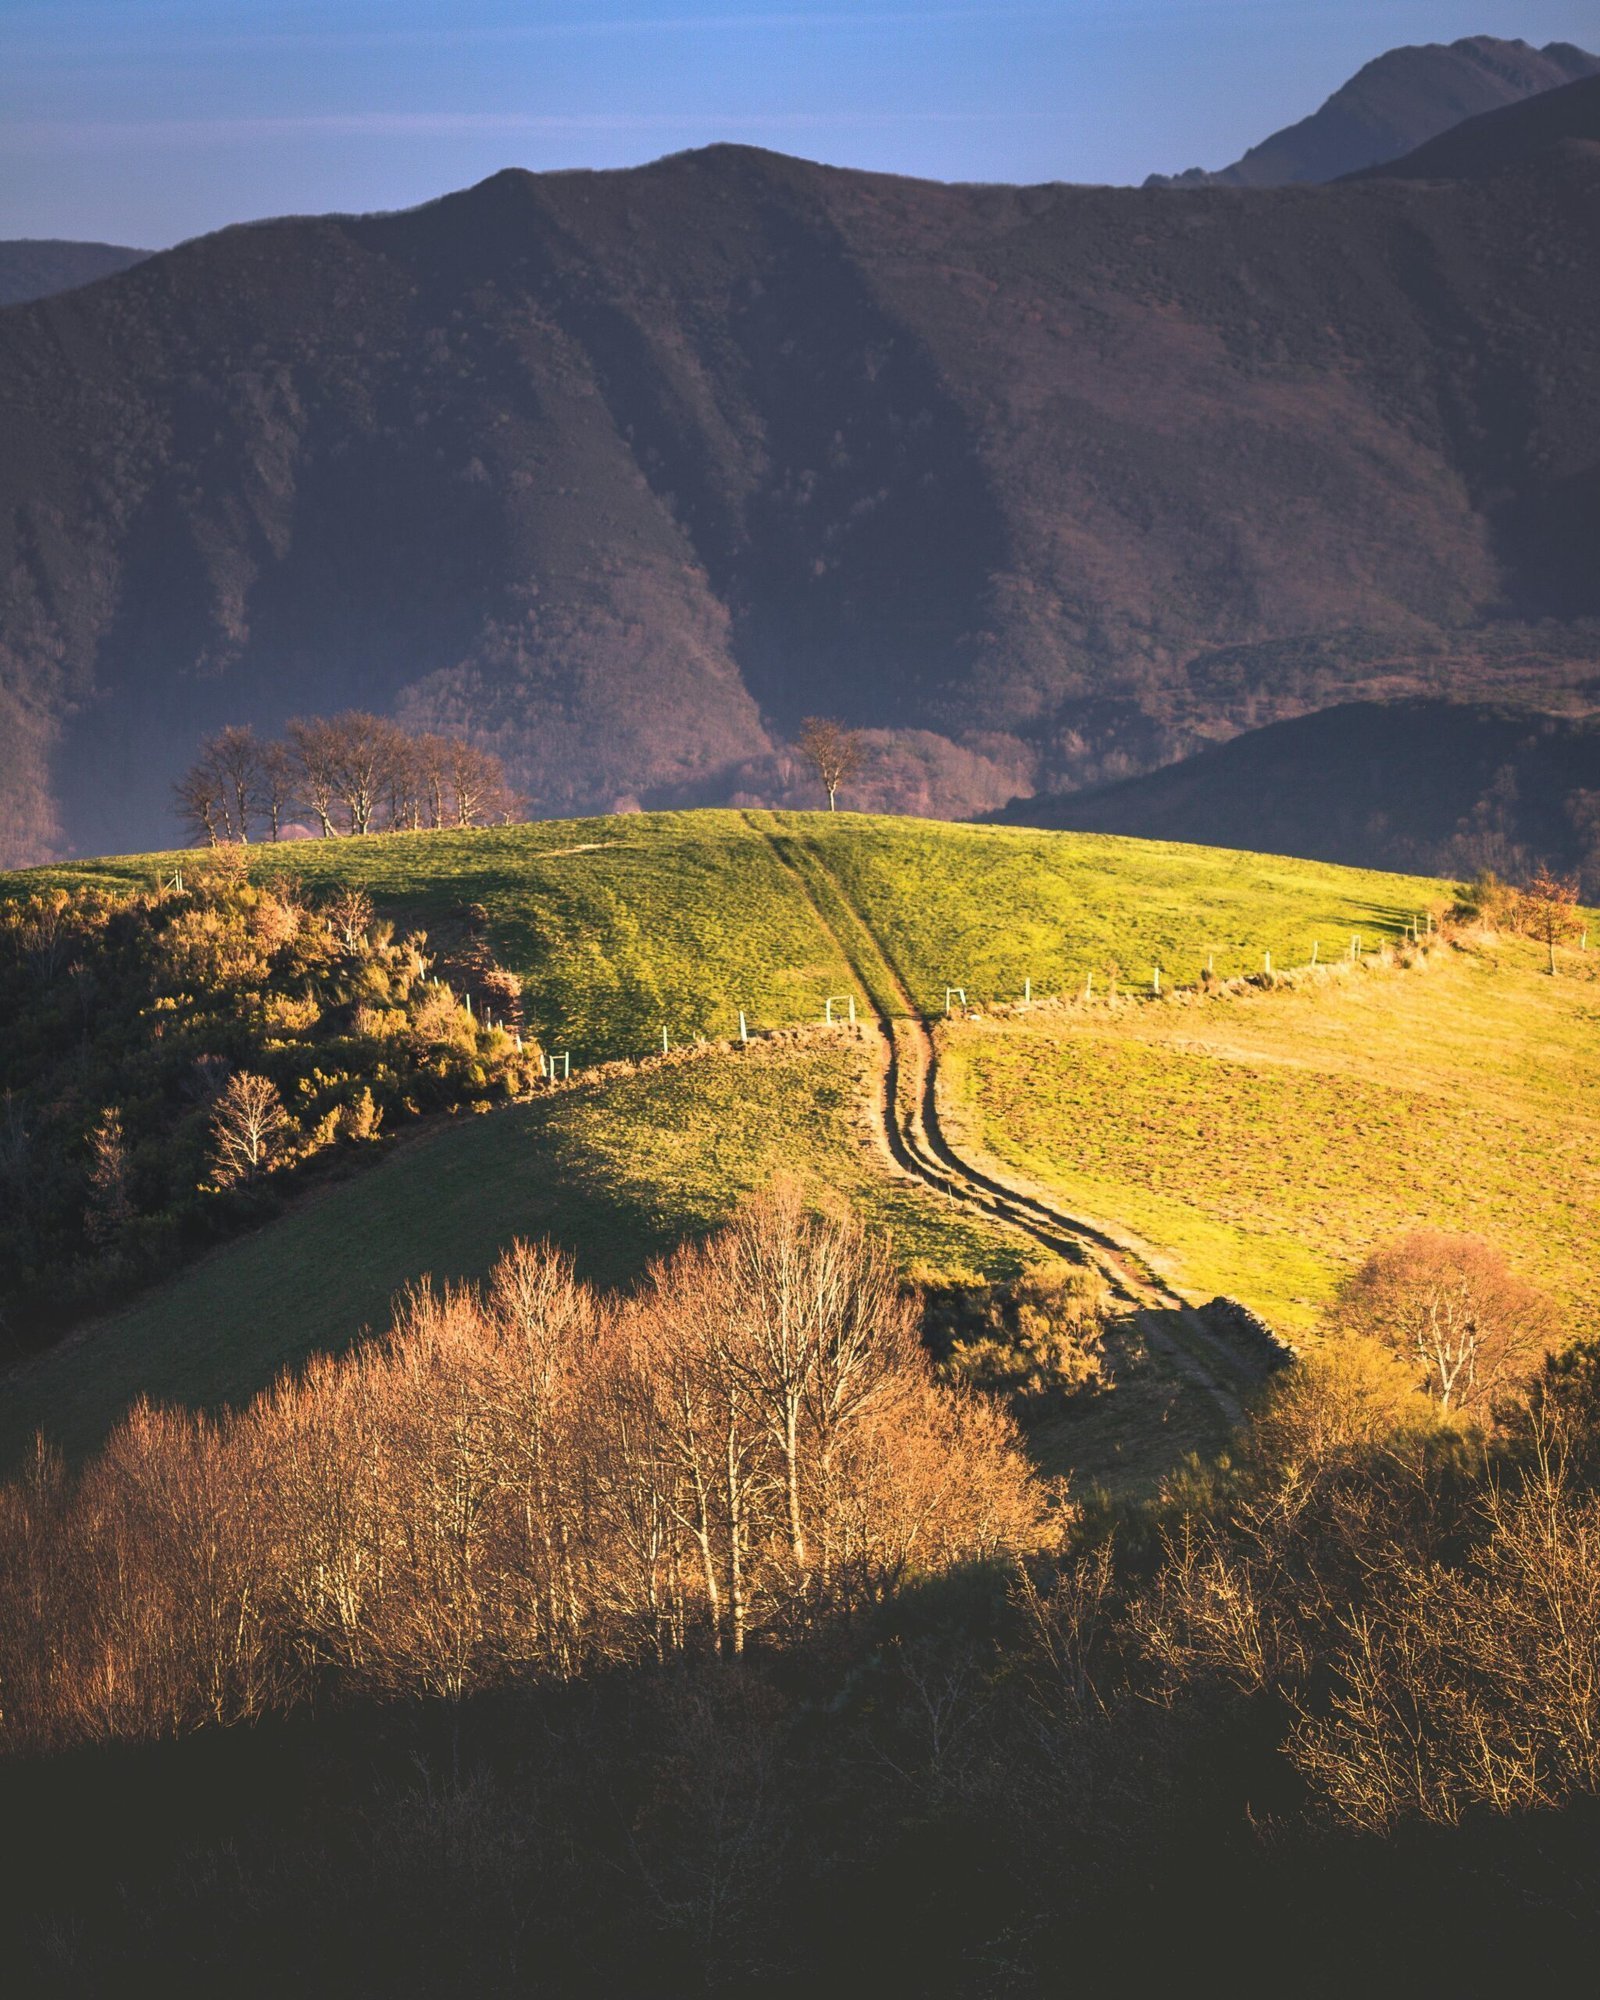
x=701 y=1640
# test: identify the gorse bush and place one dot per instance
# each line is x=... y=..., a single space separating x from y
x=169 y=1052
x=1037 y=1339
x=527 y=1479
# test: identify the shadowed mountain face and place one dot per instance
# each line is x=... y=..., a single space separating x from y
x=36 y=268
x=626 y=473
x=1503 y=139
x=1420 y=786
x=1395 y=104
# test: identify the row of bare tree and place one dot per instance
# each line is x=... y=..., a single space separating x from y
x=521 y=1479
x=351 y=773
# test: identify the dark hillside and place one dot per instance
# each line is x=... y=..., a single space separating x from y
x=628 y=472
x=1396 y=103
x=1506 y=138
x=1421 y=785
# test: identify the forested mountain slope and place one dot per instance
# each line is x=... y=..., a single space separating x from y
x=1445 y=788
x=626 y=473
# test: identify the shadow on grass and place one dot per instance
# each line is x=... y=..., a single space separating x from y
x=322 y=1275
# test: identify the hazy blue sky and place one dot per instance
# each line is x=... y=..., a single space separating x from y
x=143 y=121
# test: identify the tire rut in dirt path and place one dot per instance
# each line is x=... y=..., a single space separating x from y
x=907 y=1118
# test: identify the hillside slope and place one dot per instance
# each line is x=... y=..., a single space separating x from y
x=37 y=267
x=1265 y=1141
x=628 y=472
x=1437 y=787
x=1395 y=103
x=619 y=927
x=681 y=919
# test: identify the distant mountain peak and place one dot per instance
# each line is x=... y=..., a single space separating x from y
x=1396 y=103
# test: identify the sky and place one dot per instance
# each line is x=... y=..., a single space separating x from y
x=147 y=121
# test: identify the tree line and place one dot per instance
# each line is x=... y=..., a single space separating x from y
x=353 y=773
x=523 y=1479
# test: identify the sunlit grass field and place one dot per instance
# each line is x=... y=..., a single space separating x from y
x=1256 y=1145
x=988 y=908
x=624 y=925
x=1261 y=1144
x=618 y=1173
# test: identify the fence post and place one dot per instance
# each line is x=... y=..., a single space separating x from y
x=1313 y=951
x=1266 y=961
x=744 y=1032
x=1155 y=978
x=663 y=1038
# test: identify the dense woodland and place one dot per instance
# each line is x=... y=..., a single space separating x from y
x=708 y=1639
x=173 y=1056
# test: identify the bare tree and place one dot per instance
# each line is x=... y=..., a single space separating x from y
x=198 y=798
x=248 y=1128
x=478 y=779
x=235 y=756
x=349 y=914
x=432 y=757
x=109 y=1210
x=277 y=785
x=404 y=783
x=832 y=751
x=313 y=743
x=1548 y=908
x=1452 y=1307
x=364 y=748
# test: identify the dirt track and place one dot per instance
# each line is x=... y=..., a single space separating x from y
x=906 y=1115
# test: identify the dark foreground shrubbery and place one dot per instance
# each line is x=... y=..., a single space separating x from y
x=701 y=1641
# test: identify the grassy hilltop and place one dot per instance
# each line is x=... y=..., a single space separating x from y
x=1257 y=1144
x=623 y=925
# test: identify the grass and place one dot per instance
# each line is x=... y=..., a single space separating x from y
x=623 y=925
x=986 y=908
x=1259 y=1145
x=619 y=926
x=619 y=1173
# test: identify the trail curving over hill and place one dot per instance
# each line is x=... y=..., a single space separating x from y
x=906 y=1116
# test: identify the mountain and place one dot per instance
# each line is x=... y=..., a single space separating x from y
x=35 y=268
x=1394 y=105
x=628 y=472
x=1438 y=787
x=1505 y=138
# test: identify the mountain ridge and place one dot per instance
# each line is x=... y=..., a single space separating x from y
x=625 y=473
x=1394 y=104
x=1445 y=788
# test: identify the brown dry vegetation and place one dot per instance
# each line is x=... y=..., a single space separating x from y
x=1356 y=1668
x=523 y=1480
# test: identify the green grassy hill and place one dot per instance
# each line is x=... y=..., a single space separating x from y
x=625 y=925
x=1263 y=1175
